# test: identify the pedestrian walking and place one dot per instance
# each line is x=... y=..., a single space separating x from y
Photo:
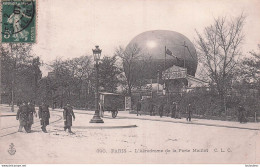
x=242 y=114
x=22 y=116
x=151 y=108
x=32 y=112
x=189 y=112
x=178 y=112
x=167 y=109
x=161 y=106
x=138 y=108
x=44 y=116
x=173 y=110
x=68 y=114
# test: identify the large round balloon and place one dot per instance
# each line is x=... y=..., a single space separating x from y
x=145 y=54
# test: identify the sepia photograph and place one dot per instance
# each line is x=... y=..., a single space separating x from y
x=130 y=82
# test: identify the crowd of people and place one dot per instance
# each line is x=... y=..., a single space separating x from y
x=25 y=116
x=27 y=112
x=171 y=110
x=174 y=111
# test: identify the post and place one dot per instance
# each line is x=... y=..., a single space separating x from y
x=96 y=89
x=151 y=88
x=158 y=80
x=164 y=67
x=165 y=58
x=96 y=118
x=184 y=57
x=13 y=72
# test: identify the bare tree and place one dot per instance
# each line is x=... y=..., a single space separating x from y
x=219 y=48
x=129 y=57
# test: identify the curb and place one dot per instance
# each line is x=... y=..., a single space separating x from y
x=101 y=127
x=205 y=124
x=8 y=115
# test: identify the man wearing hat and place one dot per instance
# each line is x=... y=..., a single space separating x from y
x=173 y=110
x=44 y=115
x=189 y=111
x=138 y=108
x=67 y=116
x=242 y=114
x=22 y=116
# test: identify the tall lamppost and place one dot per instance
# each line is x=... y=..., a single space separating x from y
x=96 y=118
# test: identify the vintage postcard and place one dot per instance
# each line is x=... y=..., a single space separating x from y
x=130 y=82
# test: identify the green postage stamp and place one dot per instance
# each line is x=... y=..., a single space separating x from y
x=18 y=21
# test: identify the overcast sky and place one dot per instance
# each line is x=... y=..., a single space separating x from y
x=71 y=28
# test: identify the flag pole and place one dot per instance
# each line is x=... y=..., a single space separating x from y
x=164 y=66
x=184 y=53
x=165 y=58
x=158 y=79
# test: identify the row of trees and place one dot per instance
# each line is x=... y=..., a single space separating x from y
x=68 y=80
x=20 y=72
x=74 y=80
x=218 y=48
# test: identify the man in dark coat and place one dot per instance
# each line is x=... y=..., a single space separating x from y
x=67 y=116
x=44 y=115
x=161 y=106
x=151 y=108
x=31 y=110
x=167 y=108
x=138 y=108
x=177 y=111
x=22 y=116
x=189 y=112
x=242 y=114
x=173 y=110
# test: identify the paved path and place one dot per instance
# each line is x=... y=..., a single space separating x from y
x=217 y=123
x=220 y=144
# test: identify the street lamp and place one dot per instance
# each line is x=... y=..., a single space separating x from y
x=96 y=118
